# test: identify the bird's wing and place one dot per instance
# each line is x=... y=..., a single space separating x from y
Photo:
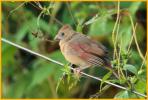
x=85 y=55
x=89 y=51
x=90 y=46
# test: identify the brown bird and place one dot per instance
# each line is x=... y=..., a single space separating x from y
x=80 y=50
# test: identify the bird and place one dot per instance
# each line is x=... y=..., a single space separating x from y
x=81 y=50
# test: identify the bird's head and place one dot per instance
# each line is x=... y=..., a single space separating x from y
x=64 y=32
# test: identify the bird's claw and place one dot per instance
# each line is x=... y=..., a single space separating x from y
x=77 y=71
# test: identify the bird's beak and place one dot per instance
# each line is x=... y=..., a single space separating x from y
x=56 y=38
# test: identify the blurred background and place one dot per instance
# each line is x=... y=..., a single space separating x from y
x=27 y=23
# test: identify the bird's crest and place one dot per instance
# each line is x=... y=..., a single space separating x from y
x=66 y=27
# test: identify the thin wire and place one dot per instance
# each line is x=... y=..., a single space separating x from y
x=32 y=52
x=59 y=63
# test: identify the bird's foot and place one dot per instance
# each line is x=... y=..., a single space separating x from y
x=77 y=71
x=72 y=66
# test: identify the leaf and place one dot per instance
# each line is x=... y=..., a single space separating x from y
x=18 y=7
x=57 y=55
x=58 y=83
x=21 y=33
x=18 y=88
x=79 y=27
x=132 y=95
x=66 y=17
x=122 y=95
x=131 y=68
x=40 y=74
x=105 y=78
x=92 y=20
x=125 y=33
x=140 y=86
x=67 y=71
x=8 y=53
x=125 y=30
x=134 y=7
x=101 y=26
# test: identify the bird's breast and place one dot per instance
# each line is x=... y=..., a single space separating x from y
x=71 y=55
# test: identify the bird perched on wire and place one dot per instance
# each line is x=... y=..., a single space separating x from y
x=80 y=50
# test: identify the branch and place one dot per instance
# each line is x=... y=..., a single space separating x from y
x=54 y=61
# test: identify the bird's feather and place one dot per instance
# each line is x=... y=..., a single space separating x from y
x=89 y=52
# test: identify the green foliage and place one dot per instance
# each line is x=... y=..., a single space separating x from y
x=68 y=79
x=102 y=23
x=131 y=68
x=67 y=71
x=20 y=86
x=105 y=77
x=8 y=52
x=39 y=75
x=26 y=76
x=122 y=94
x=140 y=86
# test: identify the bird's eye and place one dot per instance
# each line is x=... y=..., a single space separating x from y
x=62 y=34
